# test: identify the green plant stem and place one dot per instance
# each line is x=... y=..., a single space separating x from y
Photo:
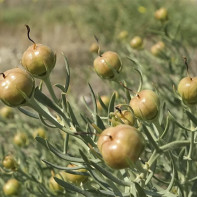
x=50 y=89
x=150 y=138
x=158 y=126
x=152 y=159
x=173 y=145
x=165 y=130
x=188 y=157
x=66 y=143
x=35 y=105
x=191 y=145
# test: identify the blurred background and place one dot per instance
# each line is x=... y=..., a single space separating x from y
x=69 y=26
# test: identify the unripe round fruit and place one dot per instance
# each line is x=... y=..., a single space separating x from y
x=53 y=185
x=39 y=60
x=136 y=42
x=94 y=47
x=161 y=14
x=11 y=83
x=126 y=116
x=107 y=65
x=20 y=139
x=187 y=89
x=6 y=112
x=40 y=132
x=120 y=146
x=9 y=162
x=11 y=187
x=105 y=100
x=74 y=178
x=123 y=35
x=145 y=105
x=158 y=48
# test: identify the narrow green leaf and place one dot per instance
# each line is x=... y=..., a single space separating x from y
x=141 y=79
x=58 y=153
x=111 y=105
x=28 y=113
x=42 y=98
x=61 y=87
x=64 y=102
x=97 y=178
x=105 y=172
x=71 y=187
x=140 y=191
x=67 y=73
x=102 y=104
x=46 y=124
x=100 y=123
x=94 y=102
x=191 y=117
x=175 y=121
x=72 y=115
x=69 y=170
x=109 y=175
x=88 y=108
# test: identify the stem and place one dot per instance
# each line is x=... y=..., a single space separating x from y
x=66 y=143
x=150 y=138
x=191 y=145
x=153 y=158
x=33 y=104
x=156 y=123
x=50 y=89
x=175 y=144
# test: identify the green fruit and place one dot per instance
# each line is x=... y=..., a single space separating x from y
x=74 y=178
x=105 y=100
x=126 y=117
x=161 y=14
x=39 y=60
x=11 y=187
x=20 y=139
x=107 y=65
x=123 y=35
x=54 y=186
x=12 y=83
x=145 y=105
x=136 y=42
x=94 y=47
x=158 y=48
x=6 y=112
x=9 y=162
x=187 y=89
x=120 y=146
x=39 y=132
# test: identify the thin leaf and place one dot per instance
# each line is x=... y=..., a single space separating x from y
x=102 y=104
x=110 y=175
x=111 y=106
x=71 y=187
x=42 y=98
x=140 y=191
x=61 y=87
x=100 y=123
x=66 y=157
x=46 y=124
x=72 y=115
x=69 y=170
x=88 y=108
x=67 y=73
x=191 y=117
x=177 y=123
x=94 y=102
x=28 y=113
